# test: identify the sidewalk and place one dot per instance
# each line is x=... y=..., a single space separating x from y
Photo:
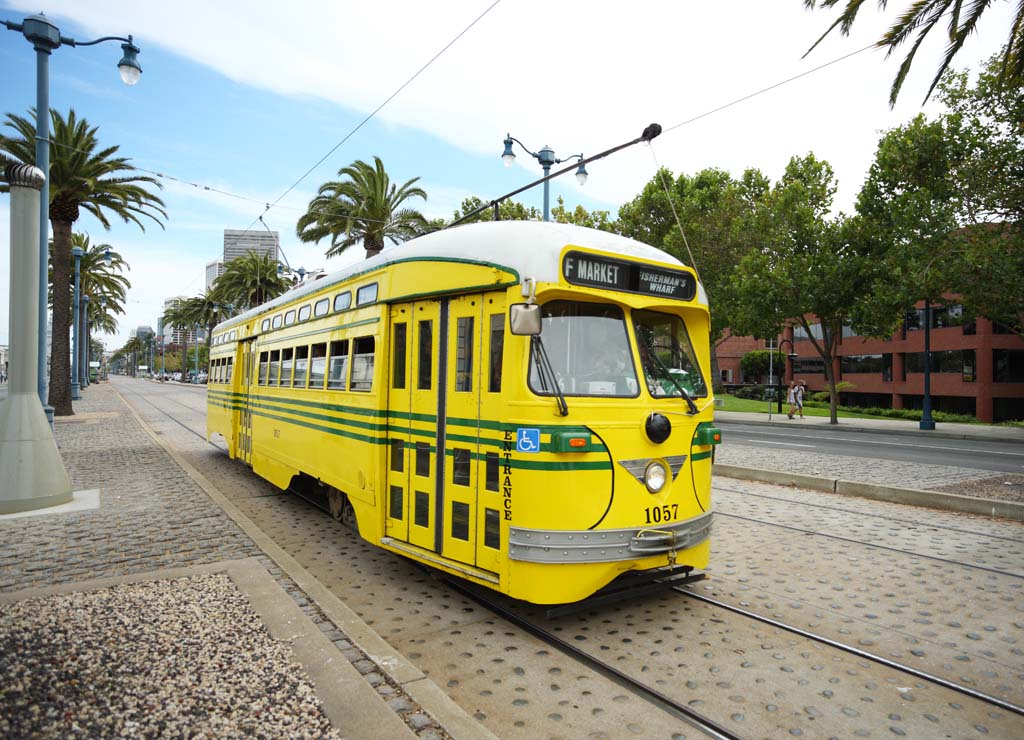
x=143 y=608
x=893 y=426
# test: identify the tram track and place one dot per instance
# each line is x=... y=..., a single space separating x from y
x=853 y=650
x=678 y=708
x=839 y=509
x=816 y=533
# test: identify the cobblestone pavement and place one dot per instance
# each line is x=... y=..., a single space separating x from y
x=151 y=517
x=939 y=591
x=863 y=470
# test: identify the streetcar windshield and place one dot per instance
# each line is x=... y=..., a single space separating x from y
x=669 y=362
x=588 y=346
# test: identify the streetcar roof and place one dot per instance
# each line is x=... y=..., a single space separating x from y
x=530 y=248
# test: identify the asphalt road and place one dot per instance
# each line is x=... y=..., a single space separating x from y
x=1003 y=457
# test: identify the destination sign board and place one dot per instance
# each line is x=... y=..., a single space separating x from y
x=580 y=268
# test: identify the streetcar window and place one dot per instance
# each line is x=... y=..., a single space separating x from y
x=362 y=364
x=301 y=366
x=426 y=355
x=231 y=364
x=588 y=347
x=464 y=354
x=342 y=301
x=286 y=367
x=492 y=471
x=460 y=467
x=232 y=335
x=275 y=366
x=366 y=294
x=321 y=307
x=492 y=528
x=395 y=506
x=317 y=365
x=423 y=459
x=289 y=317
x=265 y=326
x=304 y=312
x=398 y=364
x=262 y=380
x=397 y=455
x=276 y=323
x=422 y=516
x=668 y=358
x=497 y=350
x=338 y=367
x=460 y=520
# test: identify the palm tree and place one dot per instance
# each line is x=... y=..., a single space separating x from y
x=82 y=176
x=132 y=348
x=364 y=207
x=105 y=284
x=921 y=17
x=249 y=281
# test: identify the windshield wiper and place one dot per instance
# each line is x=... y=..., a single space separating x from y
x=665 y=372
x=545 y=369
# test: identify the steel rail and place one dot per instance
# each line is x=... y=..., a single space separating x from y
x=930 y=677
x=648 y=694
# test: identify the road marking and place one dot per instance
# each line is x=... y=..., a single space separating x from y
x=769 y=442
x=898 y=444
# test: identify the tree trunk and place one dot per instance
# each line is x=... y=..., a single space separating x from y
x=60 y=346
x=716 y=375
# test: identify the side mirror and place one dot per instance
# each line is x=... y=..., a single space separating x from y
x=524 y=319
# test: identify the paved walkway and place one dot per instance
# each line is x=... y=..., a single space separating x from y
x=119 y=614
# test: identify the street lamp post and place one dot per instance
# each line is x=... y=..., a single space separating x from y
x=77 y=253
x=45 y=37
x=196 y=378
x=778 y=389
x=83 y=365
x=546 y=157
x=927 y=423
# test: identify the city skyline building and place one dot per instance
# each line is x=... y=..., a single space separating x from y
x=213 y=271
x=239 y=242
x=175 y=334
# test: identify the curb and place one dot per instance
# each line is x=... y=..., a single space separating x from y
x=910 y=496
x=1010 y=435
x=449 y=715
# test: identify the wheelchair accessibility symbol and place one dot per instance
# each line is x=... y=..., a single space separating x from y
x=527 y=440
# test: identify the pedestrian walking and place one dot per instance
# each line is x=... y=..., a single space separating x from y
x=791 y=398
x=800 y=390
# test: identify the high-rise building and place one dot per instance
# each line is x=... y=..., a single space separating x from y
x=175 y=334
x=213 y=271
x=239 y=242
x=142 y=332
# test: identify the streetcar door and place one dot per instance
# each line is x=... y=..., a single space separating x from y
x=413 y=459
x=462 y=428
x=244 y=380
x=401 y=458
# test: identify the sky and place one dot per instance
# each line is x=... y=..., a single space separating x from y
x=246 y=97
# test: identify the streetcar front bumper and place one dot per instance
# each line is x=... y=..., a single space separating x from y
x=606 y=545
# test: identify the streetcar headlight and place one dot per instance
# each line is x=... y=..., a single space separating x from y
x=655 y=477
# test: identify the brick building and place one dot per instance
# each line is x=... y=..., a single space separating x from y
x=977 y=367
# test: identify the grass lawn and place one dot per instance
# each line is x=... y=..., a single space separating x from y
x=731 y=403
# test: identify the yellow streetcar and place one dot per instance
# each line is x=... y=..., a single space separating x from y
x=525 y=405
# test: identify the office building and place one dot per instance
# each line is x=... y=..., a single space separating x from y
x=175 y=334
x=213 y=271
x=239 y=242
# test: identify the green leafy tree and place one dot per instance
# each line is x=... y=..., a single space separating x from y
x=83 y=176
x=920 y=18
x=580 y=216
x=759 y=361
x=803 y=263
x=718 y=217
x=508 y=210
x=249 y=281
x=362 y=206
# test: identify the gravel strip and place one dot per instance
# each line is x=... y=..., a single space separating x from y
x=1005 y=487
x=174 y=658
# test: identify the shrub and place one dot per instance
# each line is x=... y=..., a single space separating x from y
x=750 y=392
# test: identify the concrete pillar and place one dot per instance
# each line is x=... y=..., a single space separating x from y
x=32 y=474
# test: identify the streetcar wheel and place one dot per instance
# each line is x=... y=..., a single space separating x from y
x=348 y=517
